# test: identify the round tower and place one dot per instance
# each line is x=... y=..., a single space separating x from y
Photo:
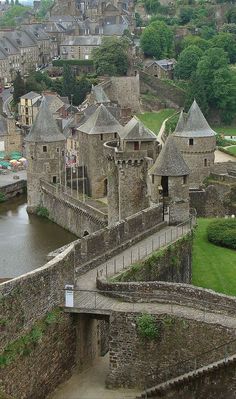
x=127 y=182
x=197 y=143
x=45 y=153
x=169 y=183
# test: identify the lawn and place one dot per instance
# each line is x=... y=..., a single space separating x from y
x=232 y=149
x=213 y=266
x=154 y=120
x=226 y=130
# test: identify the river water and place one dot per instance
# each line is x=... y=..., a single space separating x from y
x=25 y=240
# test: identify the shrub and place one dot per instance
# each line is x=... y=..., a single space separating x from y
x=147 y=327
x=222 y=232
x=42 y=211
x=2 y=197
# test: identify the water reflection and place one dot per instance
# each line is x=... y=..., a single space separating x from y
x=25 y=240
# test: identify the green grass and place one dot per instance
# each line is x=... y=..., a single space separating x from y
x=154 y=120
x=232 y=149
x=213 y=266
x=226 y=130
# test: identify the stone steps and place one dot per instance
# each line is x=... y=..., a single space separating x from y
x=158 y=390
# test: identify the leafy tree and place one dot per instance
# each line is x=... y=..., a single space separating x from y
x=196 y=90
x=12 y=3
x=187 y=62
x=230 y=28
x=83 y=87
x=45 y=6
x=152 y=6
x=8 y=19
x=231 y=15
x=196 y=41
x=17 y=3
x=212 y=60
x=186 y=14
x=68 y=81
x=225 y=93
x=138 y=19
x=111 y=58
x=227 y=42
x=19 y=88
x=157 y=40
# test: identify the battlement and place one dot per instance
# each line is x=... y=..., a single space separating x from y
x=123 y=158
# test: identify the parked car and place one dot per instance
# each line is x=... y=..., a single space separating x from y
x=7 y=86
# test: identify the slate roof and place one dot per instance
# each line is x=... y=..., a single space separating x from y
x=45 y=128
x=30 y=95
x=100 y=95
x=181 y=123
x=170 y=161
x=134 y=130
x=101 y=121
x=196 y=124
x=82 y=41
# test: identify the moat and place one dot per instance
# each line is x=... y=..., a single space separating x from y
x=25 y=240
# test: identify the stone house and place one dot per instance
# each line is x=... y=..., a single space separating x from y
x=10 y=135
x=79 y=47
x=28 y=108
x=162 y=69
x=197 y=143
x=13 y=57
x=4 y=67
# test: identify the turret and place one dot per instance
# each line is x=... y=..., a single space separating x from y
x=45 y=153
x=197 y=143
x=169 y=183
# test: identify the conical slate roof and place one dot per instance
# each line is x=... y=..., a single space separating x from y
x=45 y=128
x=196 y=124
x=181 y=123
x=101 y=121
x=170 y=161
x=100 y=95
x=134 y=130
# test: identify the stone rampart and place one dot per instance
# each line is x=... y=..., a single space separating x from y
x=173 y=293
x=163 y=90
x=13 y=189
x=136 y=361
x=71 y=213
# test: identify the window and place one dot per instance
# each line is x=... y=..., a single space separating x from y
x=152 y=179
x=101 y=136
x=115 y=135
x=54 y=179
x=205 y=162
x=136 y=145
x=45 y=148
x=63 y=153
x=185 y=179
x=190 y=141
x=57 y=149
x=26 y=121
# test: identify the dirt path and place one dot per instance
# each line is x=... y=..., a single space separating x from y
x=222 y=157
x=90 y=384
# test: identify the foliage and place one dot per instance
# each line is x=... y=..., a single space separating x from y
x=214 y=267
x=229 y=150
x=68 y=81
x=146 y=326
x=42 y=211
x=2 y=197
x=157 y=40
x=187 y=62
x=61 y=63
x=19 y=87
x=227 y=42
x=8 y=19
x=222 y=232
x=111 y=58
x=24 y=345
x=45 y=6
x=171 y=124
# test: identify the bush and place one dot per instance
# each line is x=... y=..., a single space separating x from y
x=147 y=327
x=42 y=211
x=61 y=63
x=222 y=232
x=2 y=197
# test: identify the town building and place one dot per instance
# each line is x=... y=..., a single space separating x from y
x=162 y=69
x=79 y=47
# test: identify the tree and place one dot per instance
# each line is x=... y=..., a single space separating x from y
x=12 y=3
x=196 y=41
x=186 y=14
x=196 y=90
x=157 y=40
x=225 y=93
x=83 y=87
x=227 y=42
x=17 y=3
x=152 y=6
x=45 y=6
x=19 y=88
x=187 y=62
x=68 y=81
x=111 y=58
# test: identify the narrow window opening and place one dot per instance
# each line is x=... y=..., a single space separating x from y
x=45 y=148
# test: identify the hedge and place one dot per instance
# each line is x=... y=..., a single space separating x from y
x=60 y=63
x=222 y=232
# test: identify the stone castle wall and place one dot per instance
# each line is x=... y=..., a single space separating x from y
x=138 y=362
x=125 y=91
x=13 y=189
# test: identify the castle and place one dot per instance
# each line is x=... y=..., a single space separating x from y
x=124 y=163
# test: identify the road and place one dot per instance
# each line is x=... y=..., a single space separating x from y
x=7 y=98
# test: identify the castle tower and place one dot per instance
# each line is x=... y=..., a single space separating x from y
x=100 y=127
x=128 y=163
x=197 y=143
x=169 y=182
x=45 y=153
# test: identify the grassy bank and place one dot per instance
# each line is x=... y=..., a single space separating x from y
x=213 y=267
x=226 y=130
x=154 y=120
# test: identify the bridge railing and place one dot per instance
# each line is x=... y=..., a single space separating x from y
x=144 y=249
